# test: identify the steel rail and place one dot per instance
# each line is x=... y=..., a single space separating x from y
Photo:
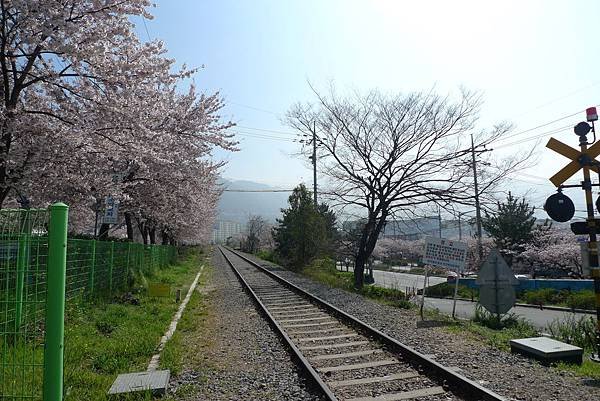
x=457 y=383
x=303 y=362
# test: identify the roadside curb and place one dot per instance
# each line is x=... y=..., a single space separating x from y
x=540 y=307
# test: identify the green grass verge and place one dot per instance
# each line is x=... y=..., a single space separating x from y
x=106 y=337
x=103 y=339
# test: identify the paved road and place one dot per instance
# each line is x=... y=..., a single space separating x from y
x=539 y=318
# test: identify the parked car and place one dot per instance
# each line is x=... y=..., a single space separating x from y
x=451 y=277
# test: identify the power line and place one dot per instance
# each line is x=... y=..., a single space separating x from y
x=255 y=108
x=263 y=136
x=538 y=136
x=258 y=190
x=268 y=130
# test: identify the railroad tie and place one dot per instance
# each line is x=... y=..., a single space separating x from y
x=369 y=380
x=405 y=395
x=311 y=324
x=297 y=333
x=354 y=366
x=331 y=346
x=305 y=339
x=306 y=319
x=345 y=355
x=301 y=313
x=288 y=307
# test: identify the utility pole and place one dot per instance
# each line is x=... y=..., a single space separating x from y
x=314 y=160
x=477 y=207
x=440 y=222
x=459 y=228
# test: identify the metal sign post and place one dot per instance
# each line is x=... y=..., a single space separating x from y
x=584 y=160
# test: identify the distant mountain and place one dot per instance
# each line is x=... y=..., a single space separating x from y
x=238 y=206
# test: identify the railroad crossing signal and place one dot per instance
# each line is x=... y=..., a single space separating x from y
x=559 y=206
x=576 y=156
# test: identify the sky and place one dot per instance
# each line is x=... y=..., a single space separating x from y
x=535 y=62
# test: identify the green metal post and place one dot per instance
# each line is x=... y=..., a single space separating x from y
x=110 y=266
x=22 y=262
x=55 y=303
x=93 y=268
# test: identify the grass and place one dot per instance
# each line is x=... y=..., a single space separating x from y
x=324 y=271
x=119 y=335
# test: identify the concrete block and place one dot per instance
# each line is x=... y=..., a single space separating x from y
x=547 y=350
x=155 y=381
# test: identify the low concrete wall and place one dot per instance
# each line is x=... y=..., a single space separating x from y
x=535 y=284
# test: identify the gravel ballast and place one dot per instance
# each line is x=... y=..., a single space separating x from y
x=512 y=376
x=244 y=358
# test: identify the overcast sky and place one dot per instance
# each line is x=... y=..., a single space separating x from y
x=534 y=61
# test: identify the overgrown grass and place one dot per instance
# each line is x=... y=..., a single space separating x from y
x=105 y=337
x=324 y=271
x=582 y=333
x=485 y=327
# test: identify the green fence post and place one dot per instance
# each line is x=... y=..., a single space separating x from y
x=93 y=268
x=110 y=266
x=55 y=303
x=22 y=262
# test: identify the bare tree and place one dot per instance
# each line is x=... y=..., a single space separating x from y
x=255 y=229
x=389 y=155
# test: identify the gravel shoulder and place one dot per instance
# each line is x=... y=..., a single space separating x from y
x=512 y=376
x=233 y=353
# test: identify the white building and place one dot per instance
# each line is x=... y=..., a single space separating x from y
x=225 y=229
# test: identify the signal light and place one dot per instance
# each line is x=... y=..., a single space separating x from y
x=591 y=114
x=559 y=207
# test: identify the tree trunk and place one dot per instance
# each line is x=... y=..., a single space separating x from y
x=129 y=225
x=142 y=226
x=165 y=237
x=367 y=243
x=152 y=233
x=103 y=233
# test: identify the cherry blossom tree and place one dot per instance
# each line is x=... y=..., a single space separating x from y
x=552 y=247
x=89 y=110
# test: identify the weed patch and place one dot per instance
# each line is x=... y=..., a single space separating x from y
x=324 y=271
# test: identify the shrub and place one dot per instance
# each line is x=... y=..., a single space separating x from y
x=267 y=255
x=447 y=290
x=506 y=321
x=576 y=331
x=585 y=299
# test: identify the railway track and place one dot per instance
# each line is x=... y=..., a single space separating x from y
x=344 y=357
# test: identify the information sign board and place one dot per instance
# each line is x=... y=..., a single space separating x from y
x=111 y=211
x=445 y=253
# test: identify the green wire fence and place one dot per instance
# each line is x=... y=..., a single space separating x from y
x=40 y=270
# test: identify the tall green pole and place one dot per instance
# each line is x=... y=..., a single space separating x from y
x=111 y=266
x=93 y=268
x=55 y=303
x=22 y=262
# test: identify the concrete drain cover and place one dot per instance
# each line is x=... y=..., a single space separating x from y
x=547 y=350
x=155 y=381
